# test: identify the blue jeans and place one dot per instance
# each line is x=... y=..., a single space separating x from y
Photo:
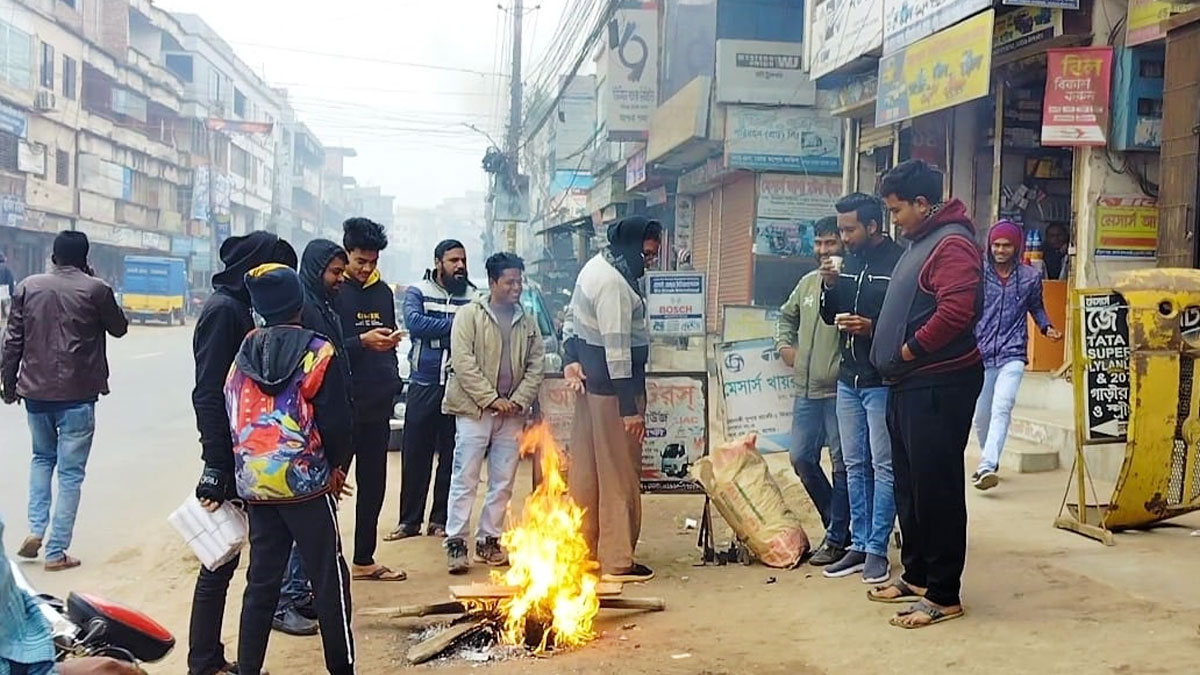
x=496 y=439
x=815 y=425
x=867 y=448
x=62 y=440
x=993 y=410
x=296 y=589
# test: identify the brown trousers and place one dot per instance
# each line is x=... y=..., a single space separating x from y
x=604 y=478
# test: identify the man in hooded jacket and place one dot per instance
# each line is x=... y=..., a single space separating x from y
x=607 y=347
x=224 y=322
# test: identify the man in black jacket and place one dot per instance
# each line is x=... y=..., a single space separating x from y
x=852 y=300
x=368 y=314
x=223 y=324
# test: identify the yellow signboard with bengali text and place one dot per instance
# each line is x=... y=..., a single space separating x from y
x=1126 y=227
x=947 y=68
x=1144 y=22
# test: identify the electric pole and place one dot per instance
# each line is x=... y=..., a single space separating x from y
x=504 y=169
x=515 y=93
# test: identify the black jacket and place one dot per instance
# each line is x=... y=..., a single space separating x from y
x=362 y=308
x=318 y=313
x=223 y=324
x=860 y=290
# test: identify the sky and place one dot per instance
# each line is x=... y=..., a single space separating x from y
x=407 y=123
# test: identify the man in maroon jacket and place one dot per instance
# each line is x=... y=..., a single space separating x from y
x=925 y=350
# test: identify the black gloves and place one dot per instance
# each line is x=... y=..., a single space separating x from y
x=215 y=485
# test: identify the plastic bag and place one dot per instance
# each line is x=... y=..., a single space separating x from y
x=739 y=482
x=215 y=537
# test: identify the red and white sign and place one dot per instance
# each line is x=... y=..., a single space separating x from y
x=1075 y=108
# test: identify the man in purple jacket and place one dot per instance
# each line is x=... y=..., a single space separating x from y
x=1011 y=290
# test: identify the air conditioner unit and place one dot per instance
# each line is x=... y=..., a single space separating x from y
x=45 y=100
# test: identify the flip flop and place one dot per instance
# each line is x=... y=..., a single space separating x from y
x=907 y=594
x=30 y=547
x=382 y=573
x=64 y=563
x=935 y=615
x=402 y=532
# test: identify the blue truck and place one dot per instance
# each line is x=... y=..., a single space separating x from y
x=155 y=288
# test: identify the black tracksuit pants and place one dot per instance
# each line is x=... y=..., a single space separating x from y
x=206 y=653
x=371 y=432
x=312 y=525
x=929 y=427
x=427 y=434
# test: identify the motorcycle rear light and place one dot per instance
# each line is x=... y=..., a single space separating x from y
x=125 y=628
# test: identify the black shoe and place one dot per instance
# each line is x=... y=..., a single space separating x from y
x=489 y=552
x=307 y=610
x=851 y=563
x=827 y=554
x=635 y=574
x=292 y=623
x=456 y=556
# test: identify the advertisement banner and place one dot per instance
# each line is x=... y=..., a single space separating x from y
x=783 y=237
x=676 y=426
x=795 y=197
x=759 y=391
x=1075 y=107
x=906 y=21
x=1143 y=23
x=1025 y=26
x=842 y=31
x=635 y=170
x=748 y=322
x=1102 y=366
x=804 y=140
x=675 y=303
x=631 y=71
x=1127 y=227
x=1061 y=4
x=940 y=71
x=768 y=73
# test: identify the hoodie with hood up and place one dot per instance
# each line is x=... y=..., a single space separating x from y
x=223 y=324
x=1001 y=331
x=318 y=313
x=289 y=415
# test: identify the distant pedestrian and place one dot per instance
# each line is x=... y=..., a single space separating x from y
x=1011 y=290
x=289 y=411
x=926 y=351
x=55 y=359
x=852 y=301
x=809 y=347
x=368 y=314
x=224 y=322
x=1057 y=253
x=429 y=310
x=607 y=348
x=496 y=371
x=8 y=287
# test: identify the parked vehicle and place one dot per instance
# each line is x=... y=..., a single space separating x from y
x=155 y=288
x=87 y=625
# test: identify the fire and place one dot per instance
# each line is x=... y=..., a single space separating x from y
x=550 y=564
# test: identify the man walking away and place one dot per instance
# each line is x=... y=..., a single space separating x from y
x=54 y=358
x=1010 y=291
x=289 y=412
x=607 y=348
x=224 y=322
x=852 y=302
x=496 y=369
x=925 y=349
x=429 y=310
x=7 y=287
x=368 y=313
x=810 y=347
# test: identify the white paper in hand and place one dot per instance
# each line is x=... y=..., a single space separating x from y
x=215 y=537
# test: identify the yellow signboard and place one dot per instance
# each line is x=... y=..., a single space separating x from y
x=1126 y=227
x=1144 y=21
x=947 y=68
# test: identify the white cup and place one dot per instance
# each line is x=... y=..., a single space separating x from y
x=837 y=261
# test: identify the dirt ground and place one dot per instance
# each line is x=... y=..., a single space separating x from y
x=1039 y=600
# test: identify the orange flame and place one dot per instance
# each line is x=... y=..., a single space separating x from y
x=550 y=564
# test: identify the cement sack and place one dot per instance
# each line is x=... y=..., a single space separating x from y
x=739 y=482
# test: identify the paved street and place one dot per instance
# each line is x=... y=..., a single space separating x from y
x=1039 y=600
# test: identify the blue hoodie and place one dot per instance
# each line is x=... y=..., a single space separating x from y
x=1001 y=333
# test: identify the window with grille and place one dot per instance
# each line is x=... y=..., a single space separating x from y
x=62 y=167
x=47 y=65
x=70 y=85
x=8 y=151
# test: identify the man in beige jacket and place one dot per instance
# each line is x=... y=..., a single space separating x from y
x=496 y=368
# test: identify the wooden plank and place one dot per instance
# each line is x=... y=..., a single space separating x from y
x=414 y=611
x=434 y=646
x=497 y=592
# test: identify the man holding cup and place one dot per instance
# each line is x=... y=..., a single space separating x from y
x=854 y=289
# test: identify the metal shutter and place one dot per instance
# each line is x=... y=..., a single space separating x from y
x=733 y=283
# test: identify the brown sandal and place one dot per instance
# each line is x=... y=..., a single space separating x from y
x=381 y=573
x=64 y=563
x=30 y=547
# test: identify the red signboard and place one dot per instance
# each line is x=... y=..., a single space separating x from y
x=1075 y=108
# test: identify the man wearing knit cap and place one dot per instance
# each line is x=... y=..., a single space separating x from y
x=429 y=310
x=292 y=426
x=1011 y=290
x=54 y=359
